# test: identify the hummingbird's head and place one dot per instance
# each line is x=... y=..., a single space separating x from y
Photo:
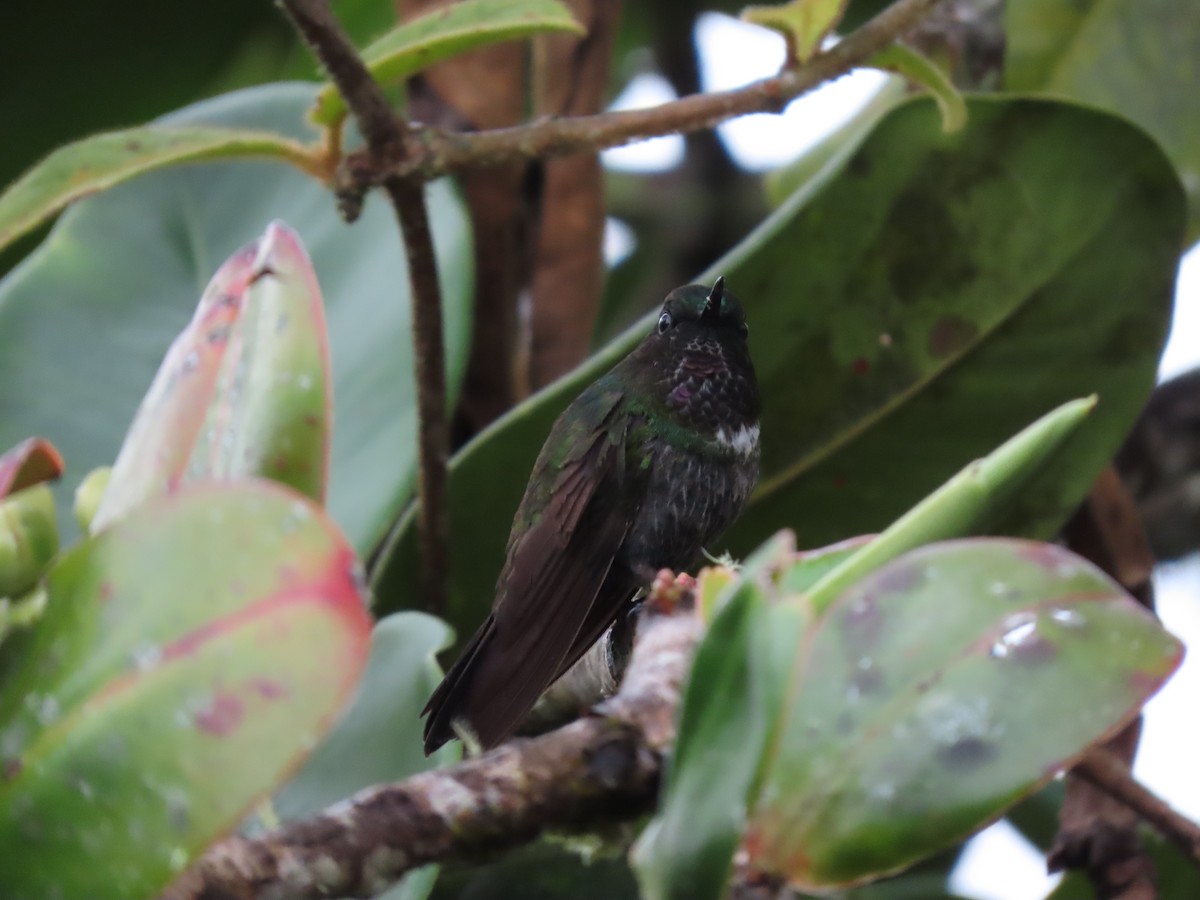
x=698 y=357
x=694 y=311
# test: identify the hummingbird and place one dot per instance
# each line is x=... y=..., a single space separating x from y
x=649 y=464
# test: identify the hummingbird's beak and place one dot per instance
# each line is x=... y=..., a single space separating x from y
x=712 y=303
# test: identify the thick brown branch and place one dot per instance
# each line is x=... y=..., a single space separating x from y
x=436 y=152
x=1111 y=775
x=386 y=135
x=606 y=765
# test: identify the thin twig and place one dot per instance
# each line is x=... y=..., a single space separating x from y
x=604 y=766
x=1112 y=776
x=387 y=137
x=408 y=198
x=434 y=152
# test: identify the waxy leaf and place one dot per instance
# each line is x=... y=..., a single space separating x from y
x=86 y=319
x=936 y=693
x=456 y=28
x=243 y=391
x=191 y=654
x=103 y=160
x=32 y=461
x=908 y=311
x=1138 y=58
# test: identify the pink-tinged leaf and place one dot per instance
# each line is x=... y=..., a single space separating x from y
x=937 y=692
x=32 y=461
x=190 y=656
x=167 y=426
x=243 y=391
x=271 y=413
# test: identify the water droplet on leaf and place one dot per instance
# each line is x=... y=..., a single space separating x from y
x=1018 y=629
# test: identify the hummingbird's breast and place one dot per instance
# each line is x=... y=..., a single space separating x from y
x=691 y=498
x=703 y=462
x=713 y=393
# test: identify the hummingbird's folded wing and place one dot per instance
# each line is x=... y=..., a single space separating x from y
x=556 y=595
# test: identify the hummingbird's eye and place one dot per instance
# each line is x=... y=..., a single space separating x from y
x=664 y=322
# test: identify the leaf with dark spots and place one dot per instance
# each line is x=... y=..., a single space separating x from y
x=194 y=641
x=996 y=660
x=966 y=753
x=950 y=334
x=924 y=228
x=269 y=689
x=223 y=714
x=862 y=622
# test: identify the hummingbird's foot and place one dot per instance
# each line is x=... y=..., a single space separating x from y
x=725 y=559
x=668 y=591
x=471 y=746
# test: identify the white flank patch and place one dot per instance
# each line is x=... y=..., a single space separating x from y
x=744 y=440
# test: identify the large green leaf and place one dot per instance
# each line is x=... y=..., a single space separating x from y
x=907 y=314
x=189 y=656
x=85 y=321
x=1139 y=58
x=901 y=737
